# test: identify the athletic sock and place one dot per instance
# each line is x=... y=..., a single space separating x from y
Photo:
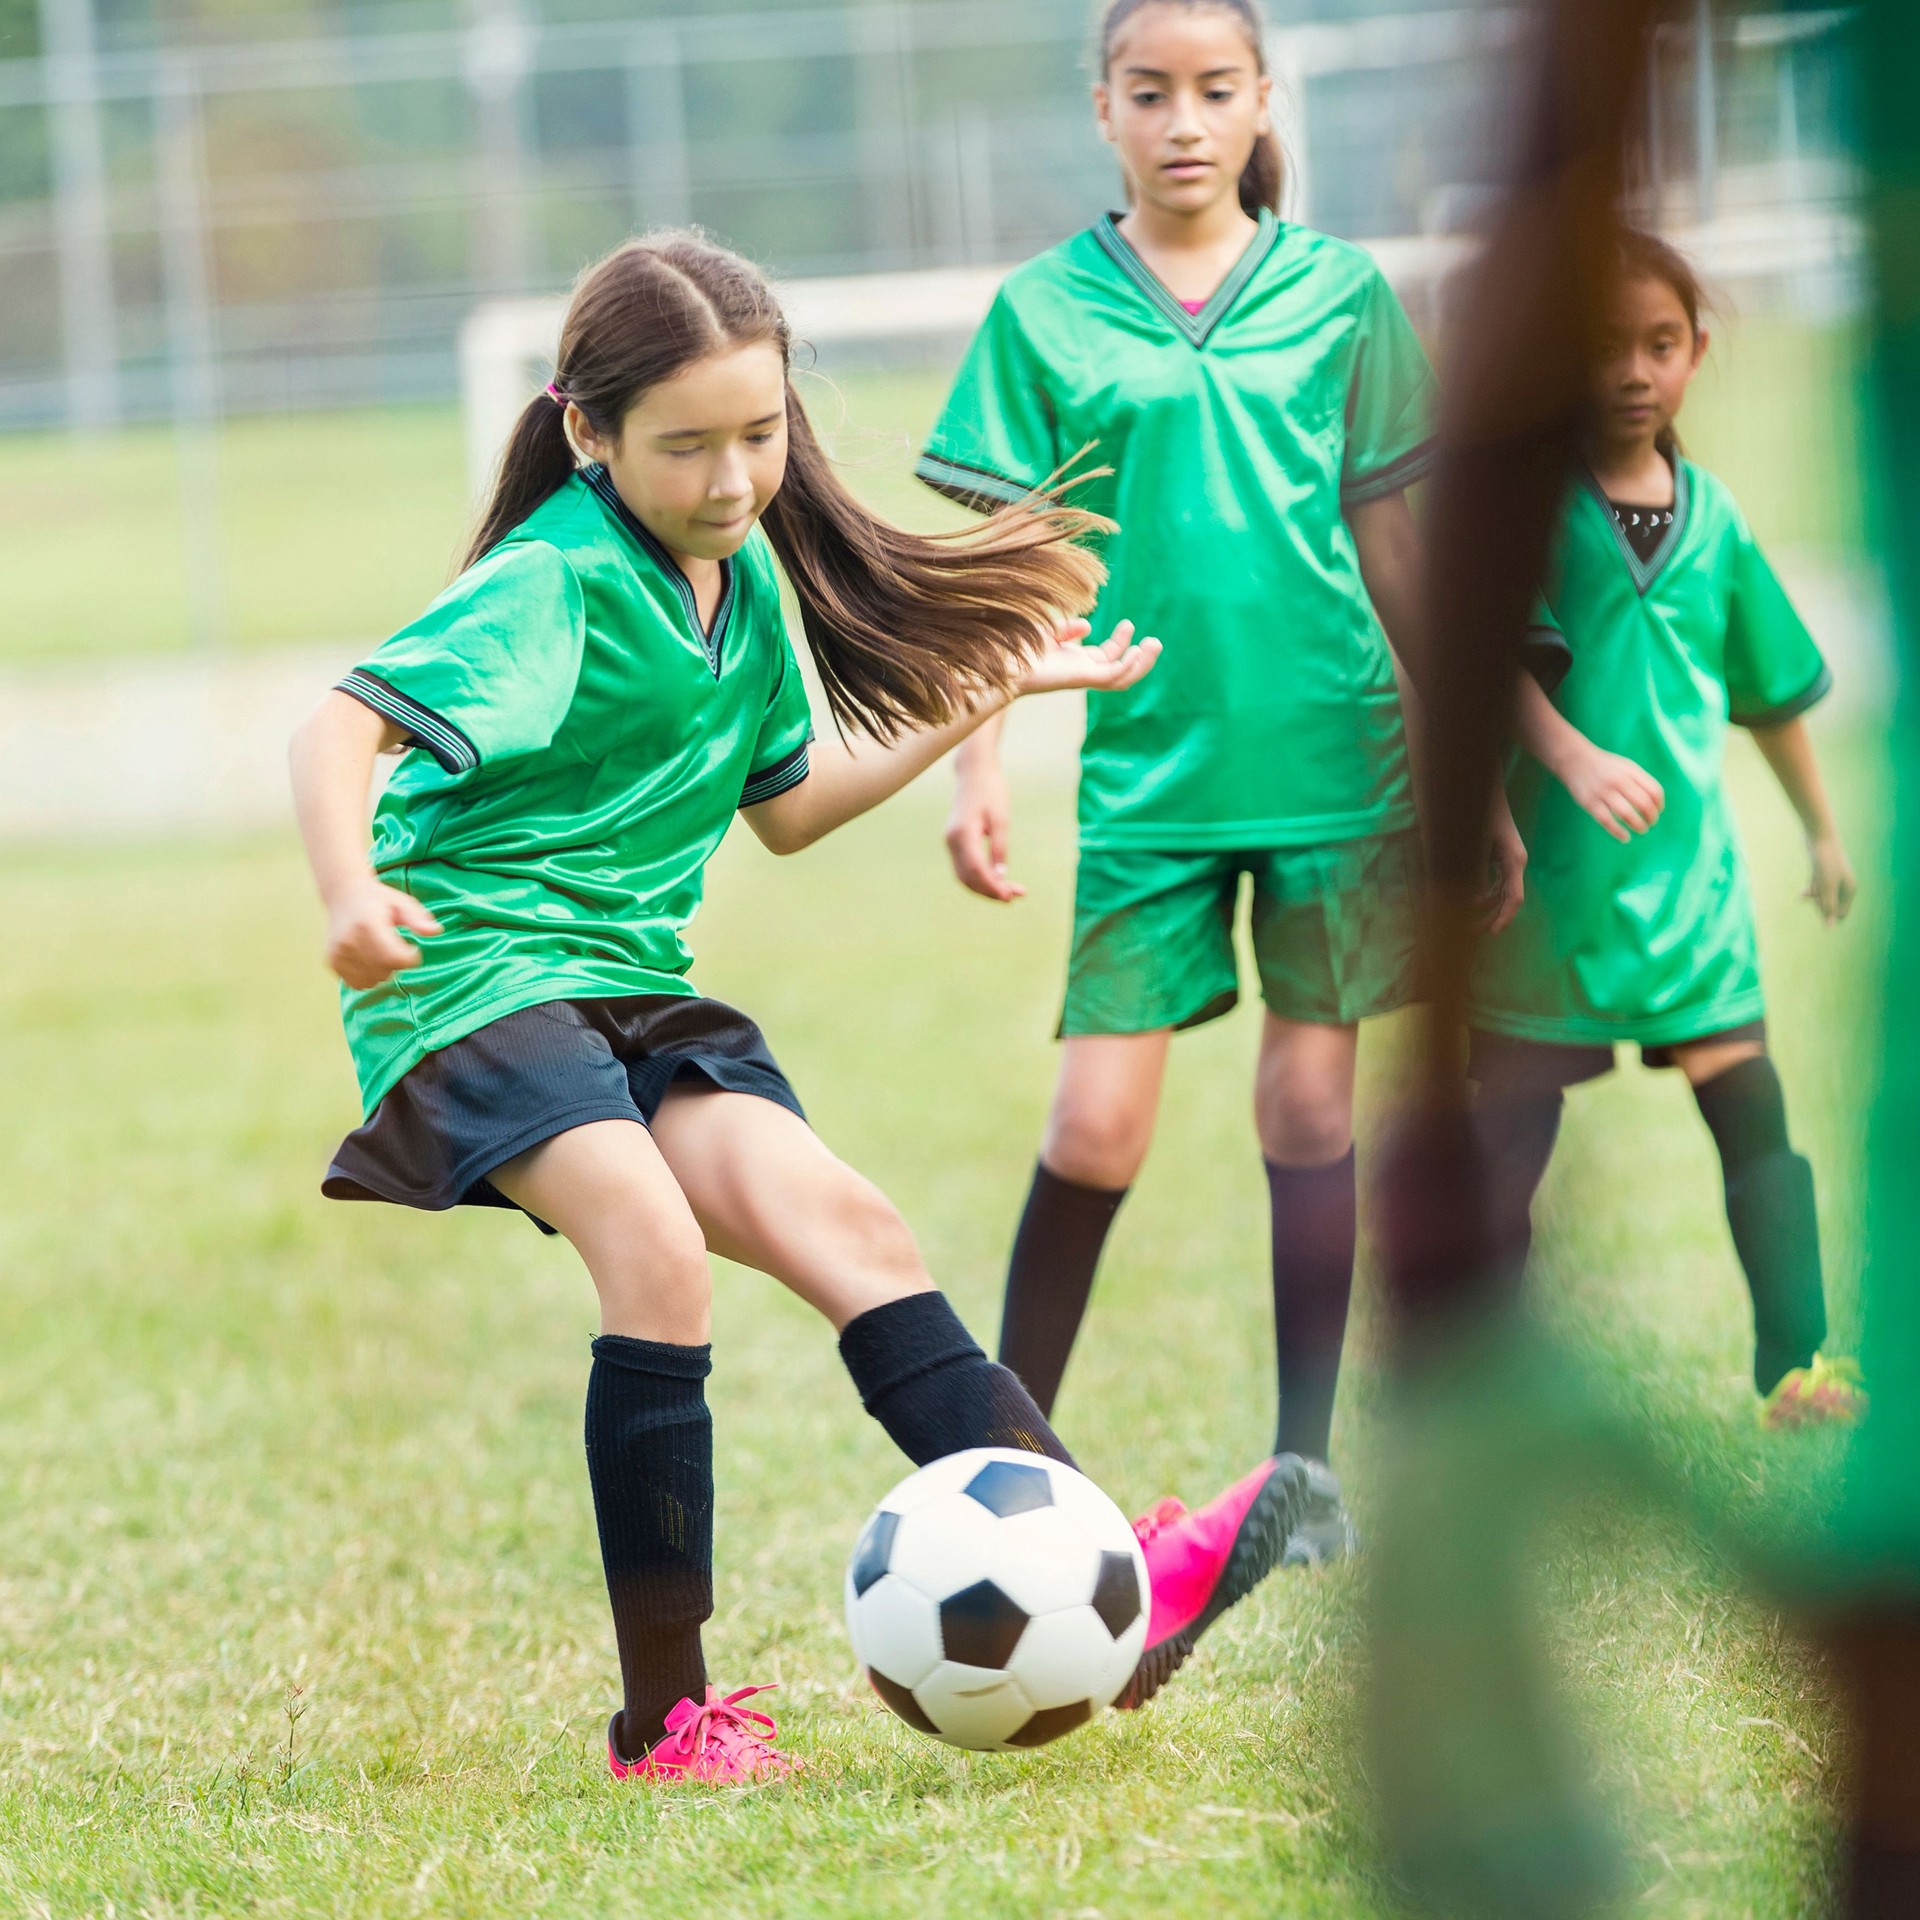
x=1050 y=1277
x=650 y=1459
x=921 y=1376
x=1313 y=1242
x=1770 y=1207
x=1517 y=1134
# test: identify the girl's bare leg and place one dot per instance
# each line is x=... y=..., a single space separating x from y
x=1104 y=1106
x=608 y=1188
x=1303 y=1091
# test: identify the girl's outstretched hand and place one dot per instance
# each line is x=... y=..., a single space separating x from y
x=1619 y=793
x=1066 y=662
x=1832 y=886
x=364 y=945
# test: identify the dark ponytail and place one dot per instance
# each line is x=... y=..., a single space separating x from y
x=906 y=629
x=1263 y=179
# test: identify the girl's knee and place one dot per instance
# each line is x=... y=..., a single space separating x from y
x=653 y=1279
x=1096 y=1144
x=878 y=1242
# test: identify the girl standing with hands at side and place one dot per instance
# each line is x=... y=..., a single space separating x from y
x=1638 y=925
x=1261 y=405
x=581 y=713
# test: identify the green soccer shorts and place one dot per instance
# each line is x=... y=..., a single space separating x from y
x=1333 y=934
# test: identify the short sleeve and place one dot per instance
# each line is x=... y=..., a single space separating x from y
x=1774 y=670
x=490 y=669
x=1390 y=401
x=996 y=439
x=786 y=730
x=1544 y=652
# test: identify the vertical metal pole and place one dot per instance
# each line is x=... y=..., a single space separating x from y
x=979 y=215
x=188 y=280
x=660 y=172
x=886 y=166
x=499 y=54
x=1706 y=114
x=81 y=236
x=1289 y=114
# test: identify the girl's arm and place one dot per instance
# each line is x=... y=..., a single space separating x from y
x=981 y=815
x=1788 y=750
x=845 y=781
x=1393 y=569
x=1616 y=791
x=332 y=759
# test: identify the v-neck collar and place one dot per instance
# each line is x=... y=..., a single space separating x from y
x=1193 y=327
x=712 y=639
x=1645 y=572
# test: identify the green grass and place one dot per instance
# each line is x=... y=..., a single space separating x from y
x=339 y=527
x=300 y=1613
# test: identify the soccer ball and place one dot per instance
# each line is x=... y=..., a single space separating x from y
x=997 y=1599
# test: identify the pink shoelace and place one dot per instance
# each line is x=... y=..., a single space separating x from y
x=1158 y=1518
x=722 y=1721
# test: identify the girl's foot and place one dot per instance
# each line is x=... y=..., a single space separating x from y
x=718 y=1743
x=1325 y=1533
x=1826 y=1394
x=1199 y=1564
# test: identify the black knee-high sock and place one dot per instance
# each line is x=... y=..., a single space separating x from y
x=1050 y=1277
x=1517 y=1132
x=1313 y=1240
x=650 y=1458
x=1770 y=1207
x=920 y=1374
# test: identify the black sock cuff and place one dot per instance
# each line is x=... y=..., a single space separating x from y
x=887 y=1346
x=1101 y=1202
x=658 y=1357
x=1341 y=1169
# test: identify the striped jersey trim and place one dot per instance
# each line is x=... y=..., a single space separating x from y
x=1195 y=328
x=1816 y=691
x=971 y=486
x=1395 y=477
x=1546 y=655
x=782 y=777
x=713 y=638
x=441 y=738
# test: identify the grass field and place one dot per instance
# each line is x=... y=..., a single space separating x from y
x=300 y=1612
x=339 y=527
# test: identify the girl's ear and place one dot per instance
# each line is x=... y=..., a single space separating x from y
x=1702 y=339
x=1103 y=110
x=1265 y=122
x=580 y=435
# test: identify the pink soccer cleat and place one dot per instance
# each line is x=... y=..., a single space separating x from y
x=715 y=1744
x=1199 y=1564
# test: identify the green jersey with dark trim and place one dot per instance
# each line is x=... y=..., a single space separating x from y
x=1234 y=438
x=580 y=747
x=1651 y=941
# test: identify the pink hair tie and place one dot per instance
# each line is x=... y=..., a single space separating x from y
x=554 y=393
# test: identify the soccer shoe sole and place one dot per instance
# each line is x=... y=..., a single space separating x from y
x=1266 y=1526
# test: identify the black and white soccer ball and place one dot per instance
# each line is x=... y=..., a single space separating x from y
x=997 y=1599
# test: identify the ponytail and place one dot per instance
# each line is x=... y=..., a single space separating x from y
x=906 y=629
x=536 y=462
x=1263 y=179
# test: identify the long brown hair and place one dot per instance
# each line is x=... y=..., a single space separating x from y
x=1263 y=178
x=906 y=629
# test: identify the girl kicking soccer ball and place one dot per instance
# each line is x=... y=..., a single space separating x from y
x=585 y=708
x=1637 y=924
x=1262 y=404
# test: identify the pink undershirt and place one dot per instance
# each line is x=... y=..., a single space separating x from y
x=1193 y=306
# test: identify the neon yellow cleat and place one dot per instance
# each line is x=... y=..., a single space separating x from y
x=1828 y=1393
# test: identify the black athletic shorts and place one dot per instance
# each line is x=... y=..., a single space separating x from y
x=1507 y=1065
x=470 y=1107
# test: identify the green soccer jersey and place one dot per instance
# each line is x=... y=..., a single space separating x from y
x=1235 y=437
x=581 y=746
x=1651 y=941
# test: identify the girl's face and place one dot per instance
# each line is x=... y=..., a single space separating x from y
x=1182 y=102
x=699 y=456
x=1649 y=353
